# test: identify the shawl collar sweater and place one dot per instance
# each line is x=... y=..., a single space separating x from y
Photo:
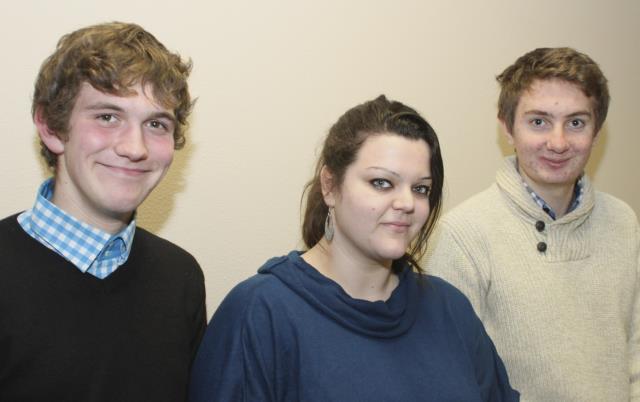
x=564 y=317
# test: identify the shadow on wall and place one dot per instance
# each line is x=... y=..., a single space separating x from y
x=37 y=147
x=594 y=161
x=155 y=210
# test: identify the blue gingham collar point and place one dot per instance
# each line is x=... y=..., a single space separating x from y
x=578 y=192
x=86 y=247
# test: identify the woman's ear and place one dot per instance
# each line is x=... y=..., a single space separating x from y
x=327 y=183
x=49 y=138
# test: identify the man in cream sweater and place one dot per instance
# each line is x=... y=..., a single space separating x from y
x=550 y=264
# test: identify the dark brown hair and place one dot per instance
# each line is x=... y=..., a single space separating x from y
x=547 y=63
x=111 y=57
x=340 y=149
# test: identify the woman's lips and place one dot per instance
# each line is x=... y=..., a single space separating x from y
x=399 y=227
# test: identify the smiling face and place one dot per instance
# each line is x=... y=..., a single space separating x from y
x=116 y=151
x=382 y=203
x=553 y=134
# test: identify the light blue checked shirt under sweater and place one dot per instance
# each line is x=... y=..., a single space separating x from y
x=88 y=248
x=575 y=201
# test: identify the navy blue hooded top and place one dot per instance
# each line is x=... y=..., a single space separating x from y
x=291 y=334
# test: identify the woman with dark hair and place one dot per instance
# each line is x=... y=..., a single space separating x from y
x=353 y=318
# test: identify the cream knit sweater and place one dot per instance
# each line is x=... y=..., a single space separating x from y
x=565 y=321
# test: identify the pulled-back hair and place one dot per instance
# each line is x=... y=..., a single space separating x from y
x=548 y=63
x=111 y=57
x=346 y=136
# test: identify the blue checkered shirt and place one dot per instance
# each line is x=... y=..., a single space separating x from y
x=575 y=201
x=88 y=248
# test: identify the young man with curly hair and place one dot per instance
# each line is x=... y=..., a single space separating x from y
x=92 y=307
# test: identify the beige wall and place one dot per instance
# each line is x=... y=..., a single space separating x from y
x=272 y=76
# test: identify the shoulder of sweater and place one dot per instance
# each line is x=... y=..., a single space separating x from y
x=9 y=223
x=162 y=249
x=471 y=219
x=452 y=300
x=12 y=235
x=438 y=284
x=17 y=245
x=474 y=207
x=253 y=303
x=159 y=244
x=264 y=291
x=614 y=207
x=257 y=289
x=449 y=294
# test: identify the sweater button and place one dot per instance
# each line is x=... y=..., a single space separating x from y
x=540 y=226
x=542 y=247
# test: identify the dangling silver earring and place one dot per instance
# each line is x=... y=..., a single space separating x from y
x=328 y=225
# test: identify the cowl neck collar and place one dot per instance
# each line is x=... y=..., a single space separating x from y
x=381 y=319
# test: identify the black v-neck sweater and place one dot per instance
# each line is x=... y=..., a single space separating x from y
x=69 y=336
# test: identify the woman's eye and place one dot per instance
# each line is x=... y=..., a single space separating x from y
x=380 y=183
x=424 y=190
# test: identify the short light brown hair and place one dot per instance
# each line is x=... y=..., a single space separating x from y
x=340 y=150
x=111 y=57
x=553 y=63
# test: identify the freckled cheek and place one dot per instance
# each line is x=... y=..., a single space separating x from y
x=535 y=147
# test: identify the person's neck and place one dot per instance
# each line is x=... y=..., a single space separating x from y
x=557 y=197
x=111 y=225
x=360 y=278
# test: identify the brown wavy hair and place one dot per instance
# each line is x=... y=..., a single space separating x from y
x=111 y=57
x=340 y=149
x=547 y=63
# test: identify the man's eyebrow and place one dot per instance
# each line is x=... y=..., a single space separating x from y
x=114 y=107
x=104 y=105
x=394 y=173
x=579 y=113
x=547 y=114
x=163 y=115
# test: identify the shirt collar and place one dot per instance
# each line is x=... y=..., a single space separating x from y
x=86 y=247
x=578 y=191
